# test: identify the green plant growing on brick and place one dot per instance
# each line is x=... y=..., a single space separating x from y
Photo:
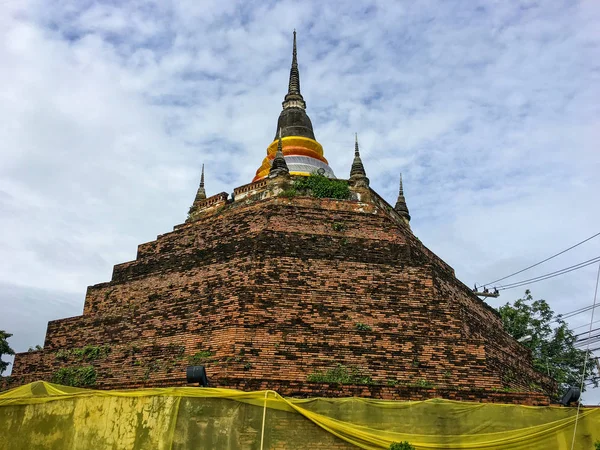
x=424 y=384
x=289 y=193
x=200 y=357
x=340 y=374
x=147 y=373
x=392 y=383
x=404 y=445
x=36 y=348
x=91 y=352
x=75 y=376
x=62 y=355
x=322 y=187
x=338 y=226
x=362 y=326
x=248 y=366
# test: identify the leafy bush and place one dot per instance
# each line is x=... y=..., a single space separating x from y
x=340 y=374
x=402 y=446
x=322 y=187
x=75 y=376
x=597 y=445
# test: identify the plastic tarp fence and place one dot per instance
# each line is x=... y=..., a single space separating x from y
x=41 y=415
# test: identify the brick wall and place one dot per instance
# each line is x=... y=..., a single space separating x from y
x=274 y=290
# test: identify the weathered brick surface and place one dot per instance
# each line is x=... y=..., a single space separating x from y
x=275 y=288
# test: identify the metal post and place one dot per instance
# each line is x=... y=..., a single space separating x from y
x=262 y=434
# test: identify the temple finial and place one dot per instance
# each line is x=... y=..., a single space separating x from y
x=279 y=166
x=202 y=177
x=401 y=190
x=294 y=84
x=294 y=97
x=357 y=173
x=401 y=207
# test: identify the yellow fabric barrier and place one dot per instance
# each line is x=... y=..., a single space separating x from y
x=48 y=416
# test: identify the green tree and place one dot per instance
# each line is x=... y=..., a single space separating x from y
x=552 y=343
x=4 y=350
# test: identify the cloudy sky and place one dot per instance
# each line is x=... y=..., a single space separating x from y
x=490 y=109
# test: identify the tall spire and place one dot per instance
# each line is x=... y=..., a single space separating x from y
x=294 y=85
x=401 y=207
x=201 y=194
x=357 y=172
x=303 y=153
x=279 y=166
x=293 y=98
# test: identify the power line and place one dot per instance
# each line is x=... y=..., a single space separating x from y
x=547 y=259
x=576 y=312
x=587 y=341
x=559 y=272
x=585 y=325
x=587 y=332
x=549 y=275
x=587 y=354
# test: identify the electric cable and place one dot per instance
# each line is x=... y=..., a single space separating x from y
x=587 y=332
x=584 y=325
x=547 y=276
x=537 y=264
x=587 y=354
x=575 y=312
x=591 y=340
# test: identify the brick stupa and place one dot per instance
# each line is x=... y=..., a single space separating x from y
x=275 y=287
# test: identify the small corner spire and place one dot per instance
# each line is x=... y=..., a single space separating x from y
x=401 y=207
x=279 y=166
x=357 y=172
x=201 y=194
x=280 y=143
x=294 y=98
